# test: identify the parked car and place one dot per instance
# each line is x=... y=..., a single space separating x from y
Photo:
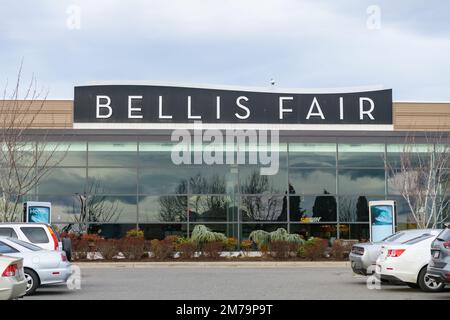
x=407 y=262
x=39 y=234
x=439 y=267
x=12 y=279
x=41 y=267
x=363 y=256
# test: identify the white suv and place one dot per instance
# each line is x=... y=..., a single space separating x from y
x=39 y=234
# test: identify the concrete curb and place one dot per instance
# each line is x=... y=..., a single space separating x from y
x=219 y=264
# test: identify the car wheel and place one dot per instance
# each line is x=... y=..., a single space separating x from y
x=67 y=248
x=412 y=285
x=428 y=284
x=32 y=281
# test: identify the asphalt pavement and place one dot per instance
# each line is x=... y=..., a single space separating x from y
x=234 y=282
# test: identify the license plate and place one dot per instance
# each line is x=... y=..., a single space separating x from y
x=436 y=254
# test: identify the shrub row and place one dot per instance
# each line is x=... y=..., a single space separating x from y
x=277 y=245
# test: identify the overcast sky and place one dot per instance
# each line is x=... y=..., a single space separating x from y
x=300 y=44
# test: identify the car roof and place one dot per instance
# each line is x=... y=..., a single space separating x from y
x=24 y=223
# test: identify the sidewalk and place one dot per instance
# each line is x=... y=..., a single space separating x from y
x=218 y=264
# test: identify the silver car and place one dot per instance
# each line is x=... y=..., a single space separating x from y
x=41 y=267
x=363 y=256
x=439 y=267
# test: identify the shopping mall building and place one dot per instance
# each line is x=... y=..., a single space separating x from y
x=332 y=146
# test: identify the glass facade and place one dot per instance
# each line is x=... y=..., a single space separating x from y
x=320 y=189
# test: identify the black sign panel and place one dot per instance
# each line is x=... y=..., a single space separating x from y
x=166 y=104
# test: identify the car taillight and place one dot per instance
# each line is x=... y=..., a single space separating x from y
x=395 y=252
x=447 y=245
x=10 y=271
x=63 y=256
x=55 y=239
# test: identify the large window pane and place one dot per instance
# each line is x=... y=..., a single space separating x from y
x=412 y=154
x=211 y=209
x=252 y=182
x=112 y=180
x=312 y=155
x=105 y=154
x=361 y=155
x=355 y=208
x=212 y=179
x=312 y=181
x=155 y=154
x=307 y=230
x=162 y=209
x=313 y=209
x=112 y=209
x=160 y=231
x=263 y=208
x=113 y=230
x=166 y=179
x=358 y=232
x=63 y=181
x=63 y=154
x=361 y=181
x=64 y=208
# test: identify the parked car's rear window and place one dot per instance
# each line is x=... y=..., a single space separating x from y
x=35 y=234
x=4 y=248
x=445 y=234
x=27 y=245
x=419 y=238
x=8 y=232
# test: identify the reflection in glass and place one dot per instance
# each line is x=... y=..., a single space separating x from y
x=355 y=208
x=107 y=154
x=212 y=180
x=111 y=231
x=155 y=154
x=252 y=182
x=312 y=155
x=162 y=209
x=361 y=181
x=361 y=155
x=211 y=208
x=114 y=180
x=313 y=209
x=111 y=209
x=306 y=230
x=160 y=231
x=65 y=154
x=411 y=155
x=63 y=181
x=168 y=179
x=64 y=208
x=267 y=207
x=312 y=181
x=358 y=232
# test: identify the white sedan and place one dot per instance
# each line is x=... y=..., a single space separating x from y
x=407 y=262
x=41 y=267
x=12 y=280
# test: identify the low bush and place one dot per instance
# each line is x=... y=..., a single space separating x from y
x=202 y=235
x=230 y=244
x=213 y=249
x=162 y=249
x=314 y=249
x=280 y=249
x=187 y=250
x=108 y=248
x=132 y=247
x=135 y=233
x=80 y=248
x=246 y=245
x=339 y=250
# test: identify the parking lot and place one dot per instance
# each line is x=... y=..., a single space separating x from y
x=323 y=282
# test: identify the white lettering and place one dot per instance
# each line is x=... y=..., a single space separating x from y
x=319 y=112
x=131 y=109
x=161 y=116
x=240 y=105
x=282 y=110
x=106 y=105
x=363 y=112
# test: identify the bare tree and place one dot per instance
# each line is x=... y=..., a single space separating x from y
x=24 y=158
x=421 y=176
x=96 y=207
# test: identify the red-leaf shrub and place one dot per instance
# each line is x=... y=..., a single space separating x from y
x=314 y=249
x=340 y=250
x=187 y=250
x=132 y=247
x=213 y=249
x=107 y=248
x=280 y=249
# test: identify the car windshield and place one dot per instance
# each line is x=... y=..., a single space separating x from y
x=444 y=235
x=419 y=238
x=24 y=244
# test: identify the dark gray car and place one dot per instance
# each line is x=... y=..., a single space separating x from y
x=439 y=266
